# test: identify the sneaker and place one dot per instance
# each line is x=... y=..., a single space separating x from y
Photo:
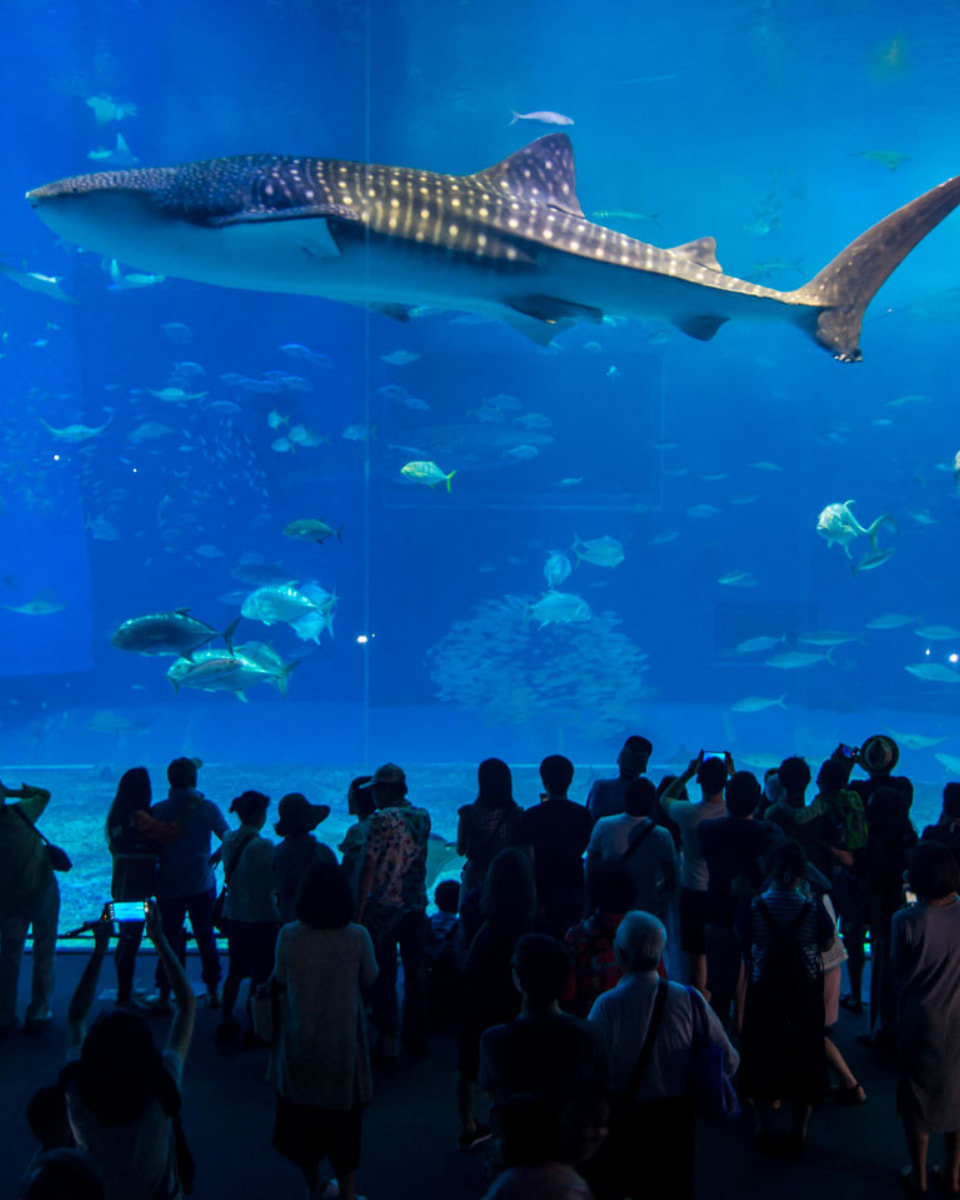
x=469 y=1141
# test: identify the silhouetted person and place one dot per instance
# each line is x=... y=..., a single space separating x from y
x=557 y=832
x=299 y=850
x=947 y=828
x=606 y=798
x=488 y=825
x=185 y=882
x=62 y=1174
x=611 y=894
x=646 y=850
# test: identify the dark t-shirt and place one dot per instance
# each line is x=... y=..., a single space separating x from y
x=558 y=831
x=733 y=847
x=866 y=787
x=555 y=1054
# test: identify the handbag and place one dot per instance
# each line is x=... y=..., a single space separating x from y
x=622 y=1103
x=60 y=860
x=265 y=1011
x=714 y=1096
x=221 y=922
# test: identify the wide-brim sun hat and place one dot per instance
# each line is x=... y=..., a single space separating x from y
x=879 y=753
x=388 y=774
x=298 y=815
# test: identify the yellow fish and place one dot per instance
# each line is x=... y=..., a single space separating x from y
x=426 y=472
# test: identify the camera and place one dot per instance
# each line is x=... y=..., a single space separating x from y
x=127 y=910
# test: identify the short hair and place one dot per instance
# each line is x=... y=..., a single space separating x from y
x=639 y=745
x=249 y=804
x=640 y=797
x=640 y=941
x=611 y=887
x=182 y=773
x=834 y=775
x=46 y=1105
x=794 y=773
x=542 y=966
x=785 y=863
x=933 y=871
x=446 y=895
x=951 y=800
x=326 y=899
x=63 y=1175
x=712 y=775
x=556 y=771
x=742 y=794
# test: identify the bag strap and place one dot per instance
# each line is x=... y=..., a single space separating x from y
x=230 y=868
x=788 y=931
x=646 y=1050
x=639 y=837
x=26 y=820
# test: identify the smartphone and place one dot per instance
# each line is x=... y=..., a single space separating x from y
x=127 y=910
x=909 y=897
x=848 y=751
x=714 y=754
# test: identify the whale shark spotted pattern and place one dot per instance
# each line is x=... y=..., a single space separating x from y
x=510 y=242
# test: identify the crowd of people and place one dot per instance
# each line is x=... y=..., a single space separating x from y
x=615 y=971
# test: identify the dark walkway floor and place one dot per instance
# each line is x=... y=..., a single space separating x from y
x=411 y=1129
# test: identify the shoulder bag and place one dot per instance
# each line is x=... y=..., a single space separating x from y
x=714 y=1096
x=60 y=860
x=220 y=921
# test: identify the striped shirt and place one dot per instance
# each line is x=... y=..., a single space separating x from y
x=814 y=933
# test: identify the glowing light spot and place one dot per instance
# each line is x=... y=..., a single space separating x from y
x=56 y=458
x=954 y=658
x=362 y=639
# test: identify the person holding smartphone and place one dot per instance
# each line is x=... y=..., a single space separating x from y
x=123 y=1092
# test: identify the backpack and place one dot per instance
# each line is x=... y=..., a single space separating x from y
x=849 y=818
x=785 y=984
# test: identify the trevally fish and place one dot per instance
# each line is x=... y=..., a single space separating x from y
x=510 y=241
x=559 y=608
x=311 y=529
x=602 y=551
x=755 y=645
x=169 y=633
x=426 y=472
x=840 y=527
x=891 y=621
x=937 y=633
x=556 y=569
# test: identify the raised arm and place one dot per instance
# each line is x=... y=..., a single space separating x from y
x=181 y=1030
x=87 y=987
x=672 y=794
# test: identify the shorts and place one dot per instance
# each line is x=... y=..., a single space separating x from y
x=306 y=1135
x=693 y=921
x=253 y=946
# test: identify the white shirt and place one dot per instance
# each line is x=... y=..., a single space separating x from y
x=649 y=864
x=622 y=1017
x=688 y=814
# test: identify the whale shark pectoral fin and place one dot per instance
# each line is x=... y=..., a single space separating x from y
x=703 y=252
x=703 y=328
x=552 y=309
x=535 y=328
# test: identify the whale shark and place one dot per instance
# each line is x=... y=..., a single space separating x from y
x=509 y=242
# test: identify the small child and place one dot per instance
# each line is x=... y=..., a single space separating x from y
x=48 y=1121
x=445 y=955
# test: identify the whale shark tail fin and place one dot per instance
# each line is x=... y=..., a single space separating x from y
x=840 y=293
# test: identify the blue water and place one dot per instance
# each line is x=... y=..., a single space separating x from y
x=768 y=125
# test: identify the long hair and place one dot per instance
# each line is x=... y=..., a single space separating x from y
x=495 y=784
x=133 y=795
x=120 y=1072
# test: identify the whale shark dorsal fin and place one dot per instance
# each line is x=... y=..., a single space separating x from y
x=703 y=252
x=542 y=172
